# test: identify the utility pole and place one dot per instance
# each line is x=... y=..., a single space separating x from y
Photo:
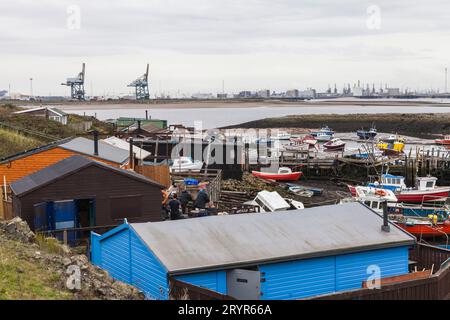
x=446 y=82
x=31 y=88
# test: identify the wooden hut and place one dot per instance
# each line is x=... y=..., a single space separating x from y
x=78 y=192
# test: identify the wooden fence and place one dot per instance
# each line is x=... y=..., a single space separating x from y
x=180 y=290
x=212 y=177
x=6 y=210
x=158 y=173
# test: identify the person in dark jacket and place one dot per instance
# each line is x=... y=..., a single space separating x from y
x=202 y=199
x=174 y=206
x=185 y=198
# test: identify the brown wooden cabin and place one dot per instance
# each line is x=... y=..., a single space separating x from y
x=78 y=192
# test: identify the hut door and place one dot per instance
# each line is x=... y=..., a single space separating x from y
x=40 y=217
x=244 y=284
x=65 y=215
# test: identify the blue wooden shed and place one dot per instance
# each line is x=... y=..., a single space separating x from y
x=282 y=255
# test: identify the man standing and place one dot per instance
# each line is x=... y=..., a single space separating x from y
x=201 y=201
x=174 y=206
x=185 y=198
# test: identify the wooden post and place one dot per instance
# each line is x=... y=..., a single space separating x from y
x=65 y=237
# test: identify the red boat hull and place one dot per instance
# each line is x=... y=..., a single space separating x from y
x=352 y=190
x=419 y=197
x=439 y=230
x=294 y=176
x=443 y=142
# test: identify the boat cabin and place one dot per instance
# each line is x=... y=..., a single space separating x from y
x=390 y=182
x=426 y=183
x=374 y=198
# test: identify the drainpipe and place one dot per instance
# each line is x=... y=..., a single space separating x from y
x=131 y=154
x=385 y=227
x=95 y=143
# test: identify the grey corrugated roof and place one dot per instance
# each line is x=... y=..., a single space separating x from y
x=64 y=168
x=105 y=150
x=218 y=242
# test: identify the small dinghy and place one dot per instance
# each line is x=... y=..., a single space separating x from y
x=335 y=144
x=284 y=174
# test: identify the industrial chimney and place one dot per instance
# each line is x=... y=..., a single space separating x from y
x=385 y=227
x=95 y=142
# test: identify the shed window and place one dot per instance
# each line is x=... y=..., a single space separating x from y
x=126 y=207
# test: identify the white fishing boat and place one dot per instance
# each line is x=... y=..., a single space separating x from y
x=374 y=198
x=323 y=137
x=186 y=164
x=335 y=144
x=282 y=136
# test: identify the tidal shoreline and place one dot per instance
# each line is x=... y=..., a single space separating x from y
x=420 y=125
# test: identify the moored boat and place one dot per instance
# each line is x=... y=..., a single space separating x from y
x=444 y=142
x=282 y=136
x=185 y=164
x=324 y=134
x=367 y=134
x=273 y=202
x=310 y=140
x=424 y=191
x=335 y=144
x=424 y=228
x=283 y=174
x=392 y=148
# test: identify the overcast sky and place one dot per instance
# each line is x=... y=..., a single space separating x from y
x=192 y=45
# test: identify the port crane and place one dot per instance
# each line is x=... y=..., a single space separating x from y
x=76 y=85
x=141 y=86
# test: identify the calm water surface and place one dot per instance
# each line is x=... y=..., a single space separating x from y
x=219 y=117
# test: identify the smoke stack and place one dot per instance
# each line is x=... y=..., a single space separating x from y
x=95 y=143
x=385 y=227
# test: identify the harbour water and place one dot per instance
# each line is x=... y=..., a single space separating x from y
x=220 y=117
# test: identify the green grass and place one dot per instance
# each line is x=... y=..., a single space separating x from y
x=12 y=142
x=24 y=279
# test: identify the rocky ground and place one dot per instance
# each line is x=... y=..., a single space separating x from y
x=33 y=267
x=426 y=125
x=333 y=191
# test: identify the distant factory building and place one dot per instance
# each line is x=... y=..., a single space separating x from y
x=245 y=94
x=393 y=92
x=285 y=255
x=308 y=94
x=263 y=94
x=202 y=96
x=292 y=93
x=358 y=92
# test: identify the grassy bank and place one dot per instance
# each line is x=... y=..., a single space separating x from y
x=425 y=125
x=25 y=279
x=12 y=142
x=22 y=132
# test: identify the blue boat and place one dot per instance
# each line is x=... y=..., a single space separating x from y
x=406 y=210
x=367 y=134
x=324 y=130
